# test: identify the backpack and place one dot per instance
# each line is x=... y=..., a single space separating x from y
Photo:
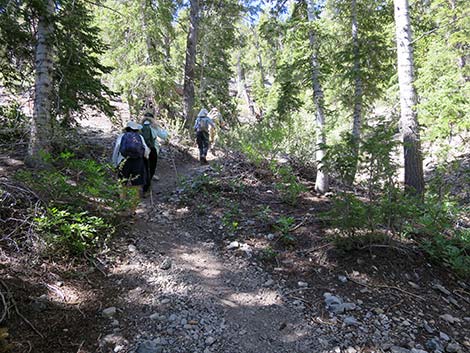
x=131 y=145
x=203 y=124
x=147 y=135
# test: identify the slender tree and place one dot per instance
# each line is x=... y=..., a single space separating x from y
x=321 y=182
x=414 y=179
x=41 y=122
x=357 y=110
x=189 y=68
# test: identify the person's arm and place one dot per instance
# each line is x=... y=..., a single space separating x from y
x=115 y=159
x=147 y=149
x=162 y=133
x=196 y=124
x=211 y=123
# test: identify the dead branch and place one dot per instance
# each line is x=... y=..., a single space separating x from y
x=387 y=287
x=18 y=311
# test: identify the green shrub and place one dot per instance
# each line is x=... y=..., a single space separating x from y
x=284 y=225
x=72 y=232
x=289 y=187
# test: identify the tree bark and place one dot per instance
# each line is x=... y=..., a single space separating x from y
x=242 y=87
x=357 y=110
x=414 y=179
x=321 y=181
x=41 y=128
x=189 y=68
x=260 y=59
x=357 y=113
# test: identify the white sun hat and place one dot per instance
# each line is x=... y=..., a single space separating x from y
x=202 y=112
x=133 y=125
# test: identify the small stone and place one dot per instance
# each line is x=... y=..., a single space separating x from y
x=132 y=248
x=270 y=236
x=350 y=321
x=109 y=312
x=233 y=245
x=434 y=345
x=173 y=317
x=416 y=350
x=351 y=350
x=453 y=347
x=118 y=348
x=414 y=285
x=155 y=316
x=115 y=323
x=342 y=278
x=302 y=284
x=268 y=283
x=428 y=328
x=449 y=318
x=149 y=347
x=441 y=289
x=210 y=340
x=397 y=349
x=406 y=323
x=165 y=301
x=454 y=301
x=166 y=264
x=444 y=336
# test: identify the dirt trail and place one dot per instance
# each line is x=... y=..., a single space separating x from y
x=207 y=300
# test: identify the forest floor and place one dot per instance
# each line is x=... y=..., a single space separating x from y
x=206 y=266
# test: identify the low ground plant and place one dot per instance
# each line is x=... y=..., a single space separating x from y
x=81 y=202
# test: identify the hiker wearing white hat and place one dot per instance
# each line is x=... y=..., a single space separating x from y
x=201 y=127
x=128 y=156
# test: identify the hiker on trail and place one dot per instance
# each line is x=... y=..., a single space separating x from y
x=219 y=123
x=203 y=122
x=151 y=132
x=129 y=154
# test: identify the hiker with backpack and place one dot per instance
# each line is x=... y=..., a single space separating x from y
x=201 y=127
x=129 y=154
x=151 y=132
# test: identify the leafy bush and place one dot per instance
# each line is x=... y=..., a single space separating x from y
x=289 y=187
x=82 y=199
x=13 y=121
x=83 y=184
x=284 y=225
x=72 y=232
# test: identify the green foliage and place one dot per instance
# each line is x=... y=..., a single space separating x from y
x=284 y=225
x=13 y=121
x=289 y=186
x=453 y=249
x=231 y=218
x=71 y=232
x=82 y=202
x=83 y=184
x=76 y=76
x=268 y=254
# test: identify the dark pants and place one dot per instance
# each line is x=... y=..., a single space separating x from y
x=202 y=138
x=132 y=171
x=151 y=167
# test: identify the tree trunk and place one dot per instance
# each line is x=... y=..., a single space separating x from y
x=189 y=73
x=41 y=128
x=357 y=112
x=321 y=182
x=260 y=59
x=414 y=180
x=242 y=87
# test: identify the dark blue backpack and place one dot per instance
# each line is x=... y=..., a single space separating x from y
x=131 y=145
